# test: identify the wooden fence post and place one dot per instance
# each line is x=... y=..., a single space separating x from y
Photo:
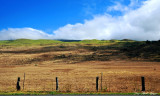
x=18 y=86
x=23 y=81
x=97 y=83
x=143 y=83
x=56 y=83
x=101 y=81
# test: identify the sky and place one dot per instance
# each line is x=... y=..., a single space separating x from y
x=80 y=19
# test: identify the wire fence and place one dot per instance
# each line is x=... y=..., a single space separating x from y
x=106 y=83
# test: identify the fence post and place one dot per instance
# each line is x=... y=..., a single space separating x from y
x=97 y=83
x=143 y=83
x=18 y=86
x=23 y=81
x=101 y=81
x=56 y=83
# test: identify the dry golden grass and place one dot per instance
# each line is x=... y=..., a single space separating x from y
x=75 y=73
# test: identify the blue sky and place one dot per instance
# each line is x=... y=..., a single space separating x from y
x=49 y=15
x=80 y=19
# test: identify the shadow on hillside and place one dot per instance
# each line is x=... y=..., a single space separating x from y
x=42 y=50
x=149 y=50
x=61 y=48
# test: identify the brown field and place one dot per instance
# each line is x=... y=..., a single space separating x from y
x=76 y=69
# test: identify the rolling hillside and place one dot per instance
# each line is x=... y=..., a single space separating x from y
x=99 y=49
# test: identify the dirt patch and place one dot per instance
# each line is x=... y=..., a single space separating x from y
x=61 y=70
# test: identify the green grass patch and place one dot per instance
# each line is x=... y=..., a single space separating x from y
x=43 y=42
x=24 y=93
x=60 y=93
x=27 y=42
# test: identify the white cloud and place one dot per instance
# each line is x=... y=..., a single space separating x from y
x=18 y=33
x=125 y=8
x=118 y=7
x=139 y=24
x=142 y=23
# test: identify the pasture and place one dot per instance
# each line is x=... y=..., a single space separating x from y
x=118 y=64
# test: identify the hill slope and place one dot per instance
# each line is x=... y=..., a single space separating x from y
x=87 y=49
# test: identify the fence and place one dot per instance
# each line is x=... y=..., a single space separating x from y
x=103 y=83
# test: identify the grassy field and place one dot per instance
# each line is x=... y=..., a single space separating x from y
x=78 y=63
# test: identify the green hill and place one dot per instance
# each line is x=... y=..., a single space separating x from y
x=21 y=42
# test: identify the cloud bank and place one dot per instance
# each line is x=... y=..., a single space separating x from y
x=142 y=23
x=19 y=33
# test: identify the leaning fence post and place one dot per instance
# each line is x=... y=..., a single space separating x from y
x=18 y=86
x=143 y=83
x=97 y=83
x=56 y=83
